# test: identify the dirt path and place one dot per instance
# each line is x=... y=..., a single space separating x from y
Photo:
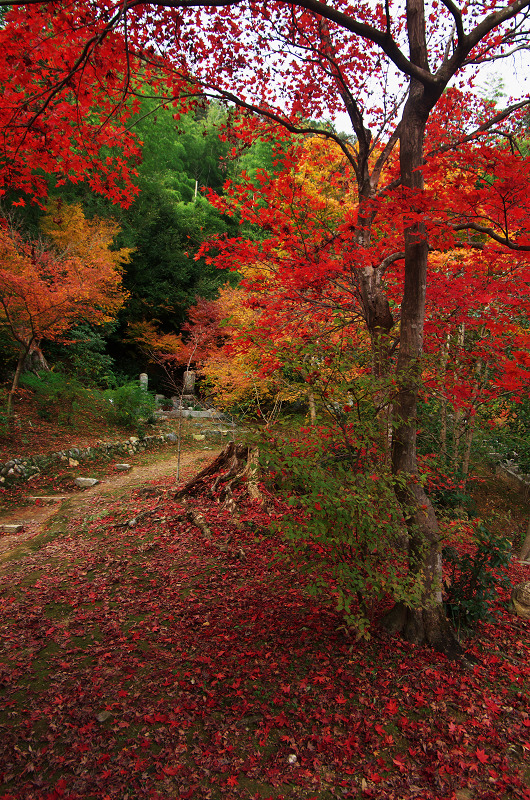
x=35 y=515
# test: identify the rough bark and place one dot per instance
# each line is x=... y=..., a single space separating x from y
x=427 y=626
x=426 y=623
x=237 y=463
x=228 y=463
x=524 y=552
x=34 y=361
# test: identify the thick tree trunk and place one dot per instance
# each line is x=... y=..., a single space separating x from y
x=426 y=623
x=230 y=463
x=34 y=361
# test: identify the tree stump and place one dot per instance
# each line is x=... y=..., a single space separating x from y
x=521 y=599
x=228 y=465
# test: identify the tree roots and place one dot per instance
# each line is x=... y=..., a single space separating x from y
x=424 y=626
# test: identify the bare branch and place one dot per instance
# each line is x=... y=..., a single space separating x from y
x=479 y=32
x=457 y=17
x=504 y=240
x=483 y=128
x=389 y=260
x=216 y=93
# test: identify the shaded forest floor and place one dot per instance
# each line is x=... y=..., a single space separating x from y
x=141 y=660
x=32 y=433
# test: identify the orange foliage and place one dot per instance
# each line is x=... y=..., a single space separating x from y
x=45 y=291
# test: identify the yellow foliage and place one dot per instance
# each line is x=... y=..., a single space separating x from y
x=231 y=374
x=88 y=243
x=234 y=380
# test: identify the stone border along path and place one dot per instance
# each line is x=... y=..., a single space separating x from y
x=17 y=470
x=31 y=520
x=21 y=469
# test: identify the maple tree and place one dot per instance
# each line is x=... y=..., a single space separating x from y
x=44 y=291
x=477 y=343
x=286 y=62
x=230 y=372
x=309 y=300
x=65 y=118
x=170 y=350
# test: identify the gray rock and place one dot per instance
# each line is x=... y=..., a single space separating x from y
x=86 y=483
x=213 y=433
x=11 y=528
x=122 y=467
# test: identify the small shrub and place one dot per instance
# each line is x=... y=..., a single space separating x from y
x=346 y=528
x=453 y=500
x=59 y=396
x=131 y=406
x=473 y=579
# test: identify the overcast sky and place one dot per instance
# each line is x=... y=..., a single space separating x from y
x=514 y=72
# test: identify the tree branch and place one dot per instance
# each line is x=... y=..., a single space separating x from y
x=504 y=240
x=486 y=126
x=457 y=16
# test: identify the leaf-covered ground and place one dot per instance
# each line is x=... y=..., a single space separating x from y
x=140 y=660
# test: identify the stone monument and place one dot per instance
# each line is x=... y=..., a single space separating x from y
x=188 y=391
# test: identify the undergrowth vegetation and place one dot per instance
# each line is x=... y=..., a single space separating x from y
x=347 y=533
x=143 y=659
x=346 y=528
x=54 y=405
x=476 y=576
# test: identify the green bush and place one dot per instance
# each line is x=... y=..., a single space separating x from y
x=59 y=396
x=83 y=355
x=346 y=528
x=131 y=406
x=473 y=579
x=87 y=357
